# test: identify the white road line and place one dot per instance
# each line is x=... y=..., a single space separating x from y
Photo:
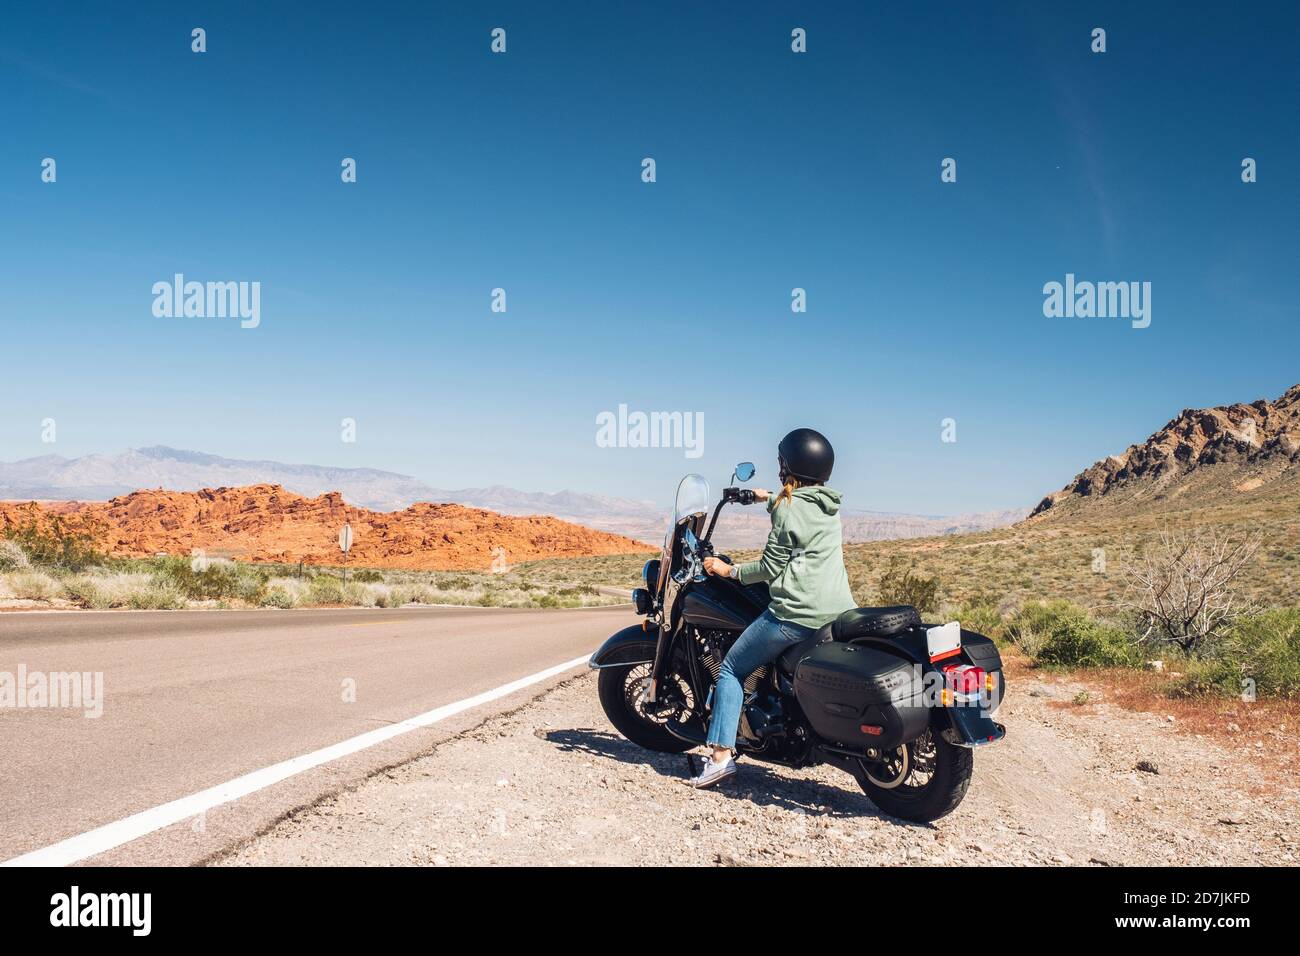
x=102 y=839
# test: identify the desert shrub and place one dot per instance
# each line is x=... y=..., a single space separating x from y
x=34 y=586
x=199 y=580
x=1268 y=646
x=418 y=594
x=109 y=589
x=251 y=587
x=12 y=557
x=457 y=583
x=277 y=597
x=900 y=584
x=1058 y=633
x=981 y=614
x=1263 y=648
x=1201 y=677
x=295 y=588
x=156 y=596
x=358 y=594
x=57 y=540
x=397 y=595
x=368 y=576
x=85 y=590
x=325 y=589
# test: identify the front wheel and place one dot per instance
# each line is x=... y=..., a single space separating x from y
x=920 y=781
x=622 y=692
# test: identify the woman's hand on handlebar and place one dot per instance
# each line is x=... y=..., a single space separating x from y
x=761 y=494
x=717 y=566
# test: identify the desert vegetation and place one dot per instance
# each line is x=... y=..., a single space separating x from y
x=55 y=565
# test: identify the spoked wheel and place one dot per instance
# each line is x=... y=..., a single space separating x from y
x=920 y=781
x=622 y=695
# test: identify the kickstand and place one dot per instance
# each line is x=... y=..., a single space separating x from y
x=694 y=769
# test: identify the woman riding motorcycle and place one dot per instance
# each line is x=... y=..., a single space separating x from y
x=803 y=565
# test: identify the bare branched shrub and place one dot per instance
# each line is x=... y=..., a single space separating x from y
x=1182 y=588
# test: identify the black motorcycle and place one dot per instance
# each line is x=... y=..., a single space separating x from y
x=898 y=704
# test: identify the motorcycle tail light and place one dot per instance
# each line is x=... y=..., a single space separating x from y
x=872 y=729
x=965 y=678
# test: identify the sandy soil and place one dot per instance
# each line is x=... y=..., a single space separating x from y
x=552 y=783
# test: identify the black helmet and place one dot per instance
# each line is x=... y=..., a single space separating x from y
x=806 y=454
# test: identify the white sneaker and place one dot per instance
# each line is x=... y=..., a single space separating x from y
x=714 y=773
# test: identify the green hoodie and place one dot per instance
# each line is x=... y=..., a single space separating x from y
x=803 y=561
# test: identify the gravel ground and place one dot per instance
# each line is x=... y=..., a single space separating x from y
x=552 y=783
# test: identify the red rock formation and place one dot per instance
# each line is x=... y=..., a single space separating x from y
x=268 y=523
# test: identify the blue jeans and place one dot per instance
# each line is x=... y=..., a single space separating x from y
x=761 y=643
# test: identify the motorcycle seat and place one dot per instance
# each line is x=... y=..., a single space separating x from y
x=875 y=622
x=859 y=622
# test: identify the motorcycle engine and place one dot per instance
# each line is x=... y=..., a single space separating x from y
x=713 y=647
x=763 y=720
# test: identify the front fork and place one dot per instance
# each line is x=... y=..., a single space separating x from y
x=671 y=589
x=657 y=668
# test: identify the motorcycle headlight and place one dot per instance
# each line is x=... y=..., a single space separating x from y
x=650 y=575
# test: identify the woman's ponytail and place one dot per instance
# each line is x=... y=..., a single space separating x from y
x=787 y=490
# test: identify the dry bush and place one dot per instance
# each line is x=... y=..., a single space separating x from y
x=33 y=586
x=12 y=557
x=1182 y=587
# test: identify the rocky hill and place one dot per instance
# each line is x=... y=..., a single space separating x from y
x=265 y=522
x=1203 y=456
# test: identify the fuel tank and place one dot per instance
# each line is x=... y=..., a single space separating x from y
x=723 y=604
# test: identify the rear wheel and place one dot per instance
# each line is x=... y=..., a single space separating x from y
x=920 y=781
x=622 y=691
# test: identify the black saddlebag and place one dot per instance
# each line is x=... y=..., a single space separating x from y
x=844 y=688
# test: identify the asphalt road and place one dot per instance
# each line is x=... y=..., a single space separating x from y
x=193 y=699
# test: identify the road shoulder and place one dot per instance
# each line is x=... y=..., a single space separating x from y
x=551 y=783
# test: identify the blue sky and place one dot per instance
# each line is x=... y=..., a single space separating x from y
x=522 y=171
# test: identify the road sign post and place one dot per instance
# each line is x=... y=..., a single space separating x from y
x=345 y=545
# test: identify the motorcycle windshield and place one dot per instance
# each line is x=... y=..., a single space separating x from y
x=693 y=498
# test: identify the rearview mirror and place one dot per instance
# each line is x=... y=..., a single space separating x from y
x=745 y=470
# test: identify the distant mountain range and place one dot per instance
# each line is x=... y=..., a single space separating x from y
x=101 y=477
